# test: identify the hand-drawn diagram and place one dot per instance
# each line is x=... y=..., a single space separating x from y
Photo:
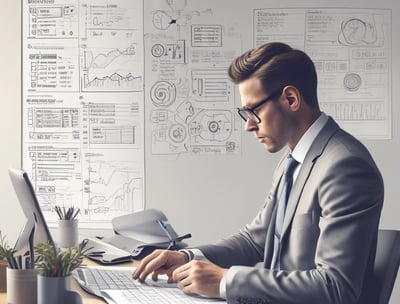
x=163 y=93
x=352 y=81
x=83 y=146
x=351 y=51
x=51 y=66
x=110 y=125
x=53 y=21
x=110 y=70
x=54 y=172
x=85 y=98
x=109 y=59
x=358 y=32
x=112 y=188
x=211 y=85
x=192 y=100
x=43 y=121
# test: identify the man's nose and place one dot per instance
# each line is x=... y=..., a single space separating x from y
x=250 y=125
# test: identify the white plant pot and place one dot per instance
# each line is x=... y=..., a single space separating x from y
x=51 y=290
x=21 y=286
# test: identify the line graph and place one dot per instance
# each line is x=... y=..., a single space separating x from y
x=111 y=188
x=111 y=69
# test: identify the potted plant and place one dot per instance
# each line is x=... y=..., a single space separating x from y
x=6 y=252
x=56 y=266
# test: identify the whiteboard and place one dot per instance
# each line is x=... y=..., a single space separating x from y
x=126 y=103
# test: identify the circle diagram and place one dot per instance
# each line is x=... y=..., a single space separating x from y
x=352 y=81
x=163 y=93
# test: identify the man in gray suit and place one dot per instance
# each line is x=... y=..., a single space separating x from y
x=324 y=249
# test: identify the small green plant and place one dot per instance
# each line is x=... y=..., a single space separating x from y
x=53 y=262
x=6 y=252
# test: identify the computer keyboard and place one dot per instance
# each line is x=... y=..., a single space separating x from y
x=115 y=285
x=97 y=279
x=94 y=280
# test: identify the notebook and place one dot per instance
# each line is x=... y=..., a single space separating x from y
x=116 y=286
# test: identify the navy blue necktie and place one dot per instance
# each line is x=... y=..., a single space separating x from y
x=291 y=165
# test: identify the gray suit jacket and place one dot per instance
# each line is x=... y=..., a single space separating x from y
x=329 y=233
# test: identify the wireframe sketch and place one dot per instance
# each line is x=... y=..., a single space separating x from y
x=83 y=105
x=111 y=187
x=351 y=50
x=192 y=101
x=53 y=21
x=356 y=31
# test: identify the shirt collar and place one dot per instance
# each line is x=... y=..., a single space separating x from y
x=299 y=152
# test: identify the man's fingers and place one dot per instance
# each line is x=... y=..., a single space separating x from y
x=146 y=266
x=152 y=266
x=159 y=262
x=181 y=272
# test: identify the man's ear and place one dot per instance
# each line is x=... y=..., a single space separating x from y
x=291 y=100
x=292 y=96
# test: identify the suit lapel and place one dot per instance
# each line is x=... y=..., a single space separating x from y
x=315 y=151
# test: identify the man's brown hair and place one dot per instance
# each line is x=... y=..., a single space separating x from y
x=277 y=65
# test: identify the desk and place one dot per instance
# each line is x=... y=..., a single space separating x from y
x=86 y=297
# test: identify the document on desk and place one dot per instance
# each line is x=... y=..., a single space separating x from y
x=154 y=295
x=154 y=292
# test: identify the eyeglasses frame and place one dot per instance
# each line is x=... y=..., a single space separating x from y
x=257 y=105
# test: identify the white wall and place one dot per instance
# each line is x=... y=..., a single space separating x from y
x=10 y=122
x=223 y=193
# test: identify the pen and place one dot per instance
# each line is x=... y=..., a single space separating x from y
x=163 y=226
x=185 y=236
x=97 y=252
x=76 y=213
x=31 y=247
x=58 y=211
x=19 y=262
x=11 y=262
x=67 y=214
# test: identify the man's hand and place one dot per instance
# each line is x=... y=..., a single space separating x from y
x=199 y=277
x=159 y=262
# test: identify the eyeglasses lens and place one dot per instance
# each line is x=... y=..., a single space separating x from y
x=247 y=114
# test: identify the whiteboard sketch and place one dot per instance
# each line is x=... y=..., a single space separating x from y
x=82 y=145
x=191 y=102
x=351 y=49
x=96 y=74
x=111 y=48
x=111 y=187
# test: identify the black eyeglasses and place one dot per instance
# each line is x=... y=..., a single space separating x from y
x=248 y=112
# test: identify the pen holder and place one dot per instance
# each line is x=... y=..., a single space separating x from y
x=67 y=233
x=22 y=286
